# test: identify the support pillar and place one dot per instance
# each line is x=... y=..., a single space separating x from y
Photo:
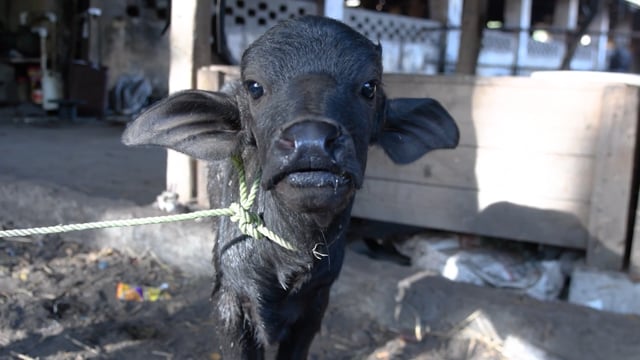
x=565 y=16
x=518 y=16
x=449 y=13
x=473 y=22
x=598 y=31
x=190 y=46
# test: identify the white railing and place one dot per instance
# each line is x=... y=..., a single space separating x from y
x=409 y=45
x=499 y=55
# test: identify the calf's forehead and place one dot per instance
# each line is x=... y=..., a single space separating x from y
x=312 y=45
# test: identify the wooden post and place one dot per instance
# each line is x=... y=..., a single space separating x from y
x=565 y=16
x=474 y=14
x=600 y=27
x=635 y=42
x=612 y=178
x=212 y=78
x=573 y=39
x=190 y=49
x=449 y=13
x=518 y=15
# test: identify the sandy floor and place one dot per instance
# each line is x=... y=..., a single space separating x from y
x=87 y=157
x=58 y=298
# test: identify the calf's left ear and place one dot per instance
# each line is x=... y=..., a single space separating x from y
x=202 y=124
x=413 y=127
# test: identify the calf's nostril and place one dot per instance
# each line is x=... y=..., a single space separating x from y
x=286 y=144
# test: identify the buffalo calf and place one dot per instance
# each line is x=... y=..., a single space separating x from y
x=309 y=103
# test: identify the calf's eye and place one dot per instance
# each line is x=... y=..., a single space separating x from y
x=368 y=89
x=254 y=88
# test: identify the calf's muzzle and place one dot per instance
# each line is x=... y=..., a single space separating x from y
x=309 y=135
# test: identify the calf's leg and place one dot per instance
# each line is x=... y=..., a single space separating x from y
x=296 y=344
x=237 y=341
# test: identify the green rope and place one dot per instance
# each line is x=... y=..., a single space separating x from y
x=239 y=212
x=115 y=223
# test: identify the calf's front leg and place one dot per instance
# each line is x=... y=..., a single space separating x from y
x=237 y=340
x=298 y=341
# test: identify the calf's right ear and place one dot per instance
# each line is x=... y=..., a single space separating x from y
x=413 y=127
x=201 y=124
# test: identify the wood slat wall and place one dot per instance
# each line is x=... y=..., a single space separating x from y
x=536 y=162
x=541 y=161
x=511 y=172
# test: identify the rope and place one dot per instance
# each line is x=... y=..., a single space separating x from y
x=239 y=212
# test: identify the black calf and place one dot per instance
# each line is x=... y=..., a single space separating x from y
x=309 y=104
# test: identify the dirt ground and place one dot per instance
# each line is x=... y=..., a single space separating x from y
x=58 y=297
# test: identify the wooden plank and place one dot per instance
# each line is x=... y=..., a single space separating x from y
x=634 y=255
x=513 y=173
x=202 y=191
x=551 y=222
x=608 y=219
x=563 y=137
x=556 y=119
x=207 y=79
x=213 y=77
x=420 y=81
x=180 y=176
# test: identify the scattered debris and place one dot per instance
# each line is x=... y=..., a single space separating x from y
x=168 y=201
x=476 y=263
x=129 y=292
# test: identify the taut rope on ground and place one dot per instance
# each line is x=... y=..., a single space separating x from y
x=239 y=212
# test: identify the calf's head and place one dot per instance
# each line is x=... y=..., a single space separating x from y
x=310 y=101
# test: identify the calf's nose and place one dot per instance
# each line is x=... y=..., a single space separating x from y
x=308 y=135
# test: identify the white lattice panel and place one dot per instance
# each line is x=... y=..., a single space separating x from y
x=246 y=20
x=409 y=45
x=585 y=58
x=498 y=49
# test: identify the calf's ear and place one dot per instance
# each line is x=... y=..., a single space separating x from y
x=202 y=124
x=413 y=127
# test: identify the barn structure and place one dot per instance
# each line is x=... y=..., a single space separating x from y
x=548 y=159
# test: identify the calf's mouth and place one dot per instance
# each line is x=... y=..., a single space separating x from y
x=316 y=179
x=310 y=166
x=314 y=190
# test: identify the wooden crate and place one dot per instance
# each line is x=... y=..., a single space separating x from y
x=541 y=161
